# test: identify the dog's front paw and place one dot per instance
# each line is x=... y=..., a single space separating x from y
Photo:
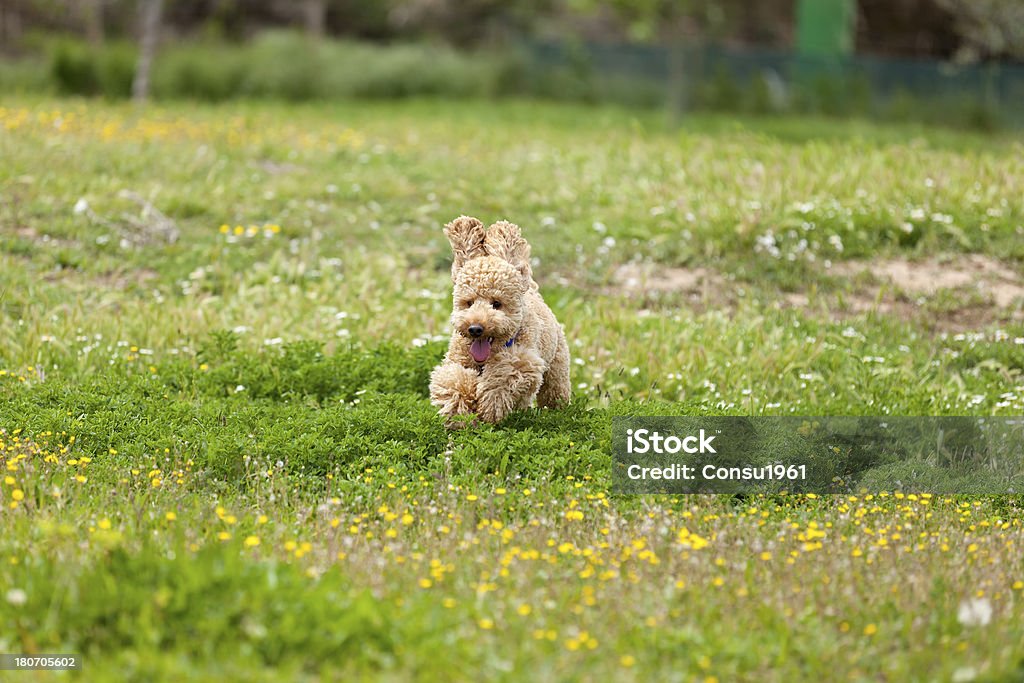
x=453 y=390
x=509 y=384
x=494 y=406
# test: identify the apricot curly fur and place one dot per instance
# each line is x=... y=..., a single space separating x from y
x=494 y=293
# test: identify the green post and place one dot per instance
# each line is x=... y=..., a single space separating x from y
x=825 y=28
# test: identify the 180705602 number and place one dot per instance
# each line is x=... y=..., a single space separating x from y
x=16 y=662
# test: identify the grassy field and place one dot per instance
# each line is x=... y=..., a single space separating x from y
x=217 y=324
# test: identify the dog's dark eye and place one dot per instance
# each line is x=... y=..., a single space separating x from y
x=467 y=303
x=495 y=305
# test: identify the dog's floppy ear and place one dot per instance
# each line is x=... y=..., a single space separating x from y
x=505 y=241
x=466 y=235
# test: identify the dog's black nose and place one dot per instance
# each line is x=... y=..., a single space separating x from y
x=475 y=330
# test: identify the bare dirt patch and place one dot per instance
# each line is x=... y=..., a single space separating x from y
x=954 y=293
x=971 y=275
x=697 y=285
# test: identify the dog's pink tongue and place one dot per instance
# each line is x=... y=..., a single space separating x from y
x=480 y=350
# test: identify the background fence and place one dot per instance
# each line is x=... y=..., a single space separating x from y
x=764 y=81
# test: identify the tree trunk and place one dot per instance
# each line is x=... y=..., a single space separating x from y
x=150 y=16
x=10 y=25
x=314 y=17
x=92 y=14
x=679 y=40
x=676 y=82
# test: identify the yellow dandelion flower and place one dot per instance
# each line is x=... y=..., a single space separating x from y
x=224 y=536
x=407 y=519
x=426 y=583
x=627 y=660
x=18 y=494
x=870 y=630
x=171 y=516
x=104 y=524
x=524 y=610
x=486 y=624
x=252 y=541
x=766 y=556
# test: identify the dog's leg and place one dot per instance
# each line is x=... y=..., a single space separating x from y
x=453 y=389
x=508 y=383
x=556 y=389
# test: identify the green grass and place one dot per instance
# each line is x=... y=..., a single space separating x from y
x=220 y=459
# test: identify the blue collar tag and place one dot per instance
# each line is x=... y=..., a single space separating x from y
x=512 y=340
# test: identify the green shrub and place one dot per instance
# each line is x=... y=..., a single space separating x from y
x=288 y=66
x=80 y=69
x=199 y=73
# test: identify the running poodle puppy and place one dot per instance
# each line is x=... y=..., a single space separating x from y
x=507 y=348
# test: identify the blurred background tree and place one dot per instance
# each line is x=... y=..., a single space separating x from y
x=987 y=28
x=150 y=15
x=314 y=17
x=92 y=19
